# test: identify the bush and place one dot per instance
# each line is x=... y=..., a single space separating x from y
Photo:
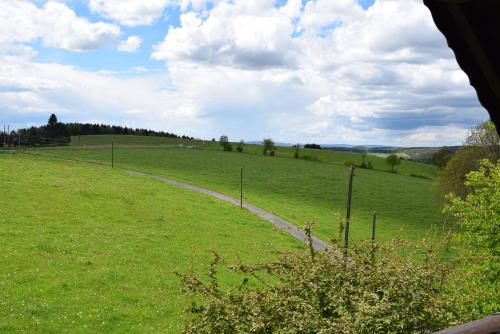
x=479 y=218
x=349 y=163
x=269 y=146
x=228 y=147
x=327 y=292
x=296 y=153
x=369 y=165
x=239 y=148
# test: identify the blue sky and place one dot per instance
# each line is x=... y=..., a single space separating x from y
x=356 y=72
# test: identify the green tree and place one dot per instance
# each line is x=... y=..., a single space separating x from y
x=393 y=160
x=482 y=142
x=441 y=157
x=484 y=138
x=364 y=153
x=479 y=218
x=479 y=213
x=269 y=146
x=239 y=148
x=52 y=119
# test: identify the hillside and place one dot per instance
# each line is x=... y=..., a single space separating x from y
x=89 y=249
x=296 y=190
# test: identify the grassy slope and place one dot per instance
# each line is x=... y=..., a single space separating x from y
x=325 y=156
x=296 y=190
x=88 y=249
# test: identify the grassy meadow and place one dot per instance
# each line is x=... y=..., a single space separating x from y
x=296 y=190
x=90 y=249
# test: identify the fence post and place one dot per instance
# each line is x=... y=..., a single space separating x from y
x=241 y=187
x=112 y=155
x=374 y=223
x=348 y=214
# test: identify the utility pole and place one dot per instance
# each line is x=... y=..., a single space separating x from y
x=348 y=214
x=241 y=187
x=374 y=223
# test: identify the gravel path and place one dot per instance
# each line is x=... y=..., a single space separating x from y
x=278 y=222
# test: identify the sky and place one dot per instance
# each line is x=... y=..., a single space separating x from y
x=299 y=71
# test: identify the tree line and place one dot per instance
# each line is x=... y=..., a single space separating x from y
x=57 y=133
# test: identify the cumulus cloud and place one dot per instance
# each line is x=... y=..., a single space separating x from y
x=31 y=91
x=244 y=34
x=130 y=12
x=326 y=69
x=317 y=70
x=55 y=24
x=131 y=44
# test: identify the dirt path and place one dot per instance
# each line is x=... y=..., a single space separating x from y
x=278 y=222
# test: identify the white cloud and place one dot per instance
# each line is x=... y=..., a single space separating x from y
x=57 y=25
x=130 y=45
x=246 y=34
x=130 y=12
x=324 y=71
x=327 y=70
x=38 y=89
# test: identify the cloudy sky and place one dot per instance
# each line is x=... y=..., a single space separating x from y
x=325 y=71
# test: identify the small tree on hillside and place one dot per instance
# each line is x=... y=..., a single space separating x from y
x=364 y=153
x=393 y=160
x=296 y=153
x=269 y=146
x=239 y=148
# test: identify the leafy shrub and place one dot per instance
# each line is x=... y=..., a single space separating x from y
x=479 y=218
x=369 y=165
x=349 y=163
x=239 y=148
x=327 y=292
x=269 y=146
x=296 y=153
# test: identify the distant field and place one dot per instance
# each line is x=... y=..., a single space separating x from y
x=296 y=190
x=325 y=156
x=89 y=249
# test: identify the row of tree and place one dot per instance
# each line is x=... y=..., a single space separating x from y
x=55 y=132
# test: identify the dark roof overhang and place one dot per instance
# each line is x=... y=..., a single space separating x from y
x=472 y=29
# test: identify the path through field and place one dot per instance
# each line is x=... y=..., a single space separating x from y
x=278 y=222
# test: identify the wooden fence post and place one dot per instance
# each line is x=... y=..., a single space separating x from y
x=348 y=214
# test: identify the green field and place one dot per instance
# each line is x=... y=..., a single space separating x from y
x=90 y=249
x=296 y=190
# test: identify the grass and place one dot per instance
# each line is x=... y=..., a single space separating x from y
x=295 y=190
x=89 y=249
